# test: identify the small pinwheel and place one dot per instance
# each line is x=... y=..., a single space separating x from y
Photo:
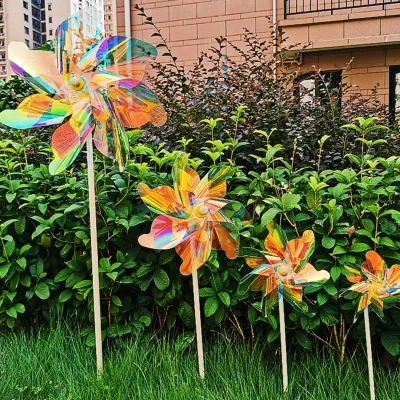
x=194 y=218
x=283 y=269
x=375 y=283
x=96 y=83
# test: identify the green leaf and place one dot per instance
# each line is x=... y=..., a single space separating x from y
x=117 y=301
x=226 y=299
x=322 y=298
x=63 y=275
x=272 y=335
x=335 y=273
x=42 y=291
x=302 y=339
x=20 y=308
x=391 y=342
x=65 y=295
x=81 y=235
x=12 y=312
x=359 y=247
x=161 y=279
x=206 y=292
x=269 y=216
x=328 y=242
x=290 y=201
x=10 y=197
x=211 y=306
x=20 y=225
x=166 y=257
x=4 y=269
x=186 y=313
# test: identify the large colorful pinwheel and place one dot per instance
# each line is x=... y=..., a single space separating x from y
x=375 y=282
x=194 y=217
x=94 y=83
x=283 y=269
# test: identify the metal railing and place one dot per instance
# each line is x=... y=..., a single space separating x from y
x=296 y=7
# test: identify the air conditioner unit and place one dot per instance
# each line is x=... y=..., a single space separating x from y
x=293 y=57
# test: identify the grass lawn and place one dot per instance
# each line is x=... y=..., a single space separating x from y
x=58 y=365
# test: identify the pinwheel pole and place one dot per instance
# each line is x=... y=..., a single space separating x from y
x=369 y=354
x=95 y=254
x=197 y=314
x=282 y=327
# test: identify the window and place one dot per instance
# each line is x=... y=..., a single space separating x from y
x=50 y=20
x=311 y=86
x=25 y=4
x=26 y=18
x=50 y=32
x=49 y=7
x=1 y=4
x=1 y=31
x=26 y=30
x=394 y=92
x=27 y=42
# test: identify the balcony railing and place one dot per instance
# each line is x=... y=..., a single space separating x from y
x=296 y=7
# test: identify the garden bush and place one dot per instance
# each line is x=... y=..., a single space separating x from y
x=304 y=166
x=45 y=265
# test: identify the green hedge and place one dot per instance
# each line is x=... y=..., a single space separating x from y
x=45 y=265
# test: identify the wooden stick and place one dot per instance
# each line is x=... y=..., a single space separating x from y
x=197 y=314
x=283 y=343
x=95 y=255
x=369 y=354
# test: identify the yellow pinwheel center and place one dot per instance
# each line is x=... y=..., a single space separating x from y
x=102 y=116
x=283 y=271
x=201 y=211
x=380 y=291
x=76 y=83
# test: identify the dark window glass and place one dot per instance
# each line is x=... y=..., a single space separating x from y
x=394 y=92
x=26 y=18
x=25 y=4
x=26 y=30
x=310 y=86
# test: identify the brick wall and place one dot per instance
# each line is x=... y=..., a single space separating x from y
x=192 y=25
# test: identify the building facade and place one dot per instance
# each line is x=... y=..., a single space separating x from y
x=22 y=21
x=110 y=17
x=59 y=10
x=362 y=33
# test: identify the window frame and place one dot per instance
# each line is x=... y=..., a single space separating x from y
x=307 y=75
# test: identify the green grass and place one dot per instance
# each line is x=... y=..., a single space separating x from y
x=58 y=365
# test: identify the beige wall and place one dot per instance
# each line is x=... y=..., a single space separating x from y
x=331 y=40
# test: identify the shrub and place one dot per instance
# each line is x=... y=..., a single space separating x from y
x=45 y=263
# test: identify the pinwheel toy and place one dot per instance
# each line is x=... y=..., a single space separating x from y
x=375 y=283
x=194 y=218
x=94 y=87
x=281 y=272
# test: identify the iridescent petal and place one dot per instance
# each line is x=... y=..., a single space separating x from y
x=392 y=278
x=308 y=276
x=225 y=236
x=162 y=200
x=294 y=295
x=36 y=111
x=298 y=251
x=374 y=266
x=69 y=139
x=275 y=242
x=166 y=233
x=185 y=180
x=194 y=250
x=36 y=67
x=136 y=104
x=125 y=56
x=213 y=185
